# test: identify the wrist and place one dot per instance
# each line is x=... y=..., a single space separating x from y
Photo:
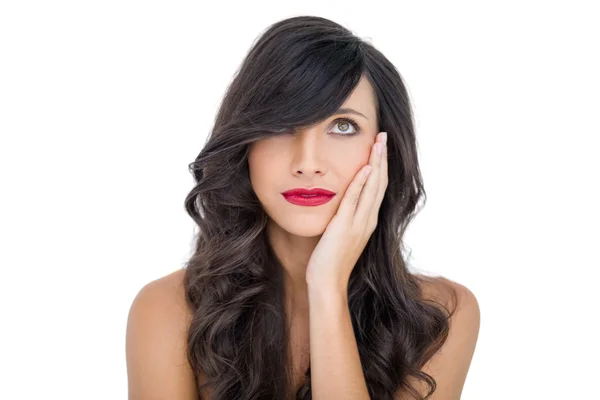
x=327 y=290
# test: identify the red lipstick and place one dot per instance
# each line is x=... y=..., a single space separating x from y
x=308 y=197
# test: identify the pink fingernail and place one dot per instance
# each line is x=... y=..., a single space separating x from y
x=367 y=170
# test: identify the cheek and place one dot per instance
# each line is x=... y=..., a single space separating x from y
x=254 y=169
x=348 y=166
x=262 y=168
x=257 y=174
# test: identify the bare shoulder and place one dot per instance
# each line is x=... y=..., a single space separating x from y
x=458 y=299
x=450 y=365
x=450 y=293
x=156 y=341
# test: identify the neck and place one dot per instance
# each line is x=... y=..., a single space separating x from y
x=293 y=252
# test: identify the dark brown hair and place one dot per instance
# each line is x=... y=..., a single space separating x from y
x=299 y=73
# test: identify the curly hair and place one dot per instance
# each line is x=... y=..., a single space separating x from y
x=298 y=73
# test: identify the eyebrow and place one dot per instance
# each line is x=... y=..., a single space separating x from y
x=350 y=111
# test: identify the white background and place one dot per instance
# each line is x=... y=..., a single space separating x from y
x=103 y=105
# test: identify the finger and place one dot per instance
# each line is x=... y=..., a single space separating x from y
x=383 y=183
x=371 y=190
x=349 y=202
x=383 y=177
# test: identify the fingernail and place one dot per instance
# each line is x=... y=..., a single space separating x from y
x=384 y=137
x=379 y=148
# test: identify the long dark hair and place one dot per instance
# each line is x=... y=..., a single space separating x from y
x=299 y=73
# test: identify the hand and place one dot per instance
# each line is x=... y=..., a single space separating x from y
x=348 y=232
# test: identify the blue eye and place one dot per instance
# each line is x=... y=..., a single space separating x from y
x=348 y=121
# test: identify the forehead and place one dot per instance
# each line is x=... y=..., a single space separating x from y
x=363 y=99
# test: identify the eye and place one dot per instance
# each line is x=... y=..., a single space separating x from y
x=345 y=124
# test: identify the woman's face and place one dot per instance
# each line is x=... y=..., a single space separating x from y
x=327 y=155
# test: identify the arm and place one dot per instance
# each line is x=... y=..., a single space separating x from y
x=336 y=371
x=157 y=366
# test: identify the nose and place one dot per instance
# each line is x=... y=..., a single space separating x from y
x=308 y=153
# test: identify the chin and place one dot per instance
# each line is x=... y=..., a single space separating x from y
x=304 y=226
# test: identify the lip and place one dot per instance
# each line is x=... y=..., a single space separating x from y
x=304 y=191
x=317 y=197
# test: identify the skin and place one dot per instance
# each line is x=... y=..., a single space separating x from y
x=159 y=319
x=316 y=156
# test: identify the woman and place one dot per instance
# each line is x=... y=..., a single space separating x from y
x=294 y=292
